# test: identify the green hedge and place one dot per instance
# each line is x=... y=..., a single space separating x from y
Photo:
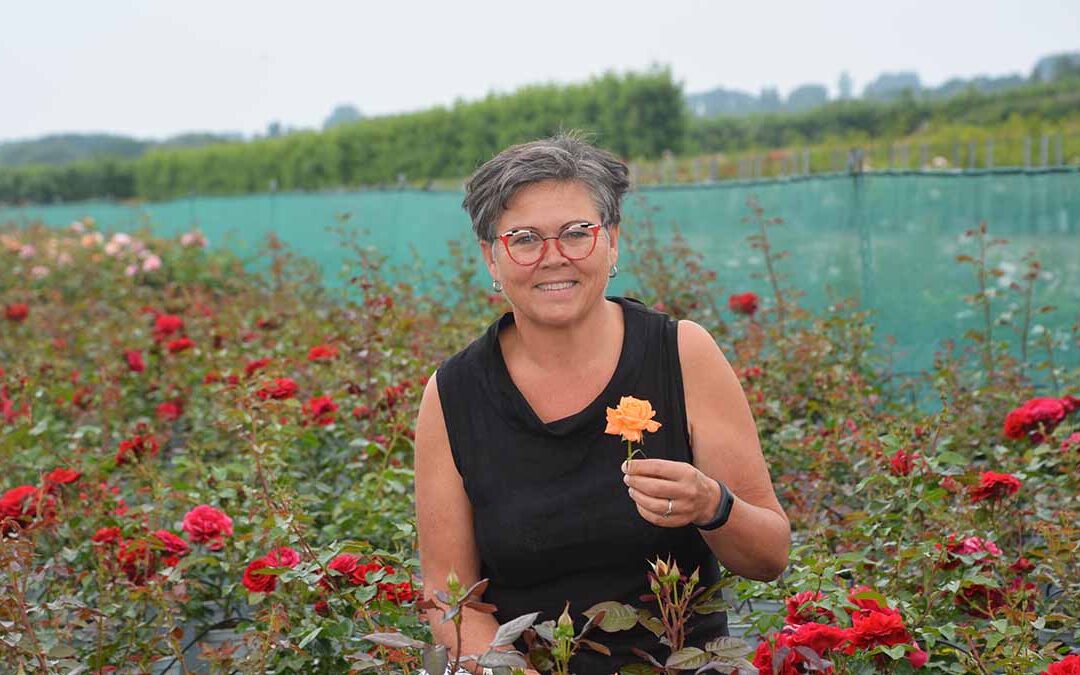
x=636 y=115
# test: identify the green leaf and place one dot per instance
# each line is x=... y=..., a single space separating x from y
x=309 y=637
x=687 y=658
x=435 y=659
x=385 y=639
x=728 y=648
x=494 y=659
x=512 y=630
x=637 y=669
x=62 y=652
x=951 y=457
x=650 y=622
x=949 y=631
x=617 y=616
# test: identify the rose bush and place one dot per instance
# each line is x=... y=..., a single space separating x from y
x=218 y=448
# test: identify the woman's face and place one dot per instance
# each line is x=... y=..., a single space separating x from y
x=546 y=207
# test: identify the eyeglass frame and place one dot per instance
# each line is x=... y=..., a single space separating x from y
x=593 y=227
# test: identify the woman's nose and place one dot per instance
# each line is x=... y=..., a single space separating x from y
x=552 y=255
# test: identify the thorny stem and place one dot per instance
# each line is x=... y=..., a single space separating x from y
x=988 y=353
x=767 y=251
x=974 y=654
x=1048 y=343
x=19 y=587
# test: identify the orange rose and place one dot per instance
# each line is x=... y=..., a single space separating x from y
x=631 y=418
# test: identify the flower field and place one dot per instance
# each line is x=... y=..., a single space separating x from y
x=208 y=468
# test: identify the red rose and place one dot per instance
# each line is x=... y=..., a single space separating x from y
x=802 y=608
x=345 y=565
x=179 y=345
x=8 y=412
x=322 y=353
x=135 y=448
x=265 y=583
x=871 y=629
x=135 y=360
x=1037 y=417
x=255 y=366
x=16 y=311
x=321 y=410
x=901 y=463
x=322 y=608
x=259 y=583
x=170 y=410
x=1070 y=665
x=280 y=389
x=106 y=535
x=397 y=593
x=868 y=603
x=167 y=324
x=791 y=661
x=172 y=543
x=994 y=486
x=819 y=637
x=1071 y=443
x=743 y=303
x=137 y=561
x=361 y=412
x=1022 y=566
x=969 y=546
x=980 y=601
x=62 y=476
x=917 y=658
x=20 y=505
x=283 y=557
x=207 y=525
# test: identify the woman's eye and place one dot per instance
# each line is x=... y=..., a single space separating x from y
x=576 y=233
x=524 y=239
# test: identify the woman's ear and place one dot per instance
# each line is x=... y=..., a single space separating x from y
x=613 y=251
x=487 y=249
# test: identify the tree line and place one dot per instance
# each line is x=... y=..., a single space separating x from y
x=635 y=115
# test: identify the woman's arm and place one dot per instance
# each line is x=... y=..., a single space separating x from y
x=756 y=540
x=444 y=526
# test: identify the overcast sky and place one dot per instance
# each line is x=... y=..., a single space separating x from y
x=153 y=69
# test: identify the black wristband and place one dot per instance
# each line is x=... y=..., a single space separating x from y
x=723 y=510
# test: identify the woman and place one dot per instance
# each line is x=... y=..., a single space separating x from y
x=516 y=480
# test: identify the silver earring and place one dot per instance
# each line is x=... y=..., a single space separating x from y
x=496 y=286
x=613 y=271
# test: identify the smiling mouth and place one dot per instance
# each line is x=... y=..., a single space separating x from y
x=556 y=285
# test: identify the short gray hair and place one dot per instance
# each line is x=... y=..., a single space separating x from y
x=564 y=157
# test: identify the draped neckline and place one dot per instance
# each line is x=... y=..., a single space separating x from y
x=515 y=404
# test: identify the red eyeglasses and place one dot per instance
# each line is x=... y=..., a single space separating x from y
x=575 y=241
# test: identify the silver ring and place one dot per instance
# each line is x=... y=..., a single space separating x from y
x=670 y=505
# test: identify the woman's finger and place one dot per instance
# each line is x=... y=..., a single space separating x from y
x=656 y=468
x=657 y=507
x=658 y=487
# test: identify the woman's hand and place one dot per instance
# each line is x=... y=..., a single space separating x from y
x=657 y=484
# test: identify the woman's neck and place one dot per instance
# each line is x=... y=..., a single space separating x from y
x=553 y=348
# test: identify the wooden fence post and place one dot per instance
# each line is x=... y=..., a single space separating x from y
x=1044 y=150
x=1027 y=152
x=989 y=160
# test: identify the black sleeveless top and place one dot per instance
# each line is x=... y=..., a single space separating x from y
x=552 y=518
